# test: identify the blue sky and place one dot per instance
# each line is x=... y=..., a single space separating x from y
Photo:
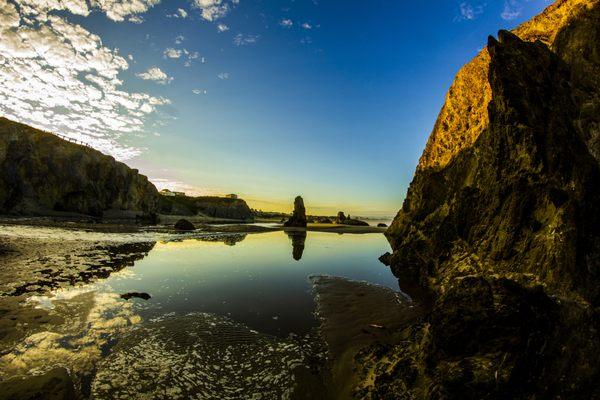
x=333 y=100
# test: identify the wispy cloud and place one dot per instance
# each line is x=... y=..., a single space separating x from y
x=180 y=13
x=57 y=75
x=199 y=91
x=222 y=28
x=244 y=40
x=512 y=9
x=223 y=76
x=155 y=74
x=179 y=39
x=470 y=11
x=306 y=25
x=286 y=23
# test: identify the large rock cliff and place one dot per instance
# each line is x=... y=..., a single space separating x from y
x=502 y=224
x=41 y=174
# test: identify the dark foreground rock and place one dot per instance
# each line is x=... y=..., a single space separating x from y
x=184 y=225
x=502 y=225
x=42 y=174
x=55 y=384
x=136 y=295
x=298 y=218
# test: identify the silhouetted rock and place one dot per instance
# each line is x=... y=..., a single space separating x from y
x=382 y=225
x=502 y=224
x=341 y=216
x=386 y=258
x=298 y=218
x=42 y=174
x=137 y=295
x=184 y=225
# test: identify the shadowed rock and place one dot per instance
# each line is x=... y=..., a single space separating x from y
x=184 y=225
x=298 y=218
x=501 y=224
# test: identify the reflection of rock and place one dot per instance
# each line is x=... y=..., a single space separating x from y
x=298 y=218
x=210 y=357
x=230 y=239
x=67 y=263
x=184 y=225
x=55 y=384
x=298 y=240
x=137 y=295
x=381 y=225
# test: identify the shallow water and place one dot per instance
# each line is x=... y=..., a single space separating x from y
x=258 y=283
x=255 y=281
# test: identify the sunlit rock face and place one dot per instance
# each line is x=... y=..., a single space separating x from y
x=502 y=222
x=42 y=174
x=464 y=115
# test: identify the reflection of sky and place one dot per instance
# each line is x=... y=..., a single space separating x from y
x=269 y=99
x=257 y=281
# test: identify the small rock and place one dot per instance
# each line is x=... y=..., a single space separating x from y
x=184 y=225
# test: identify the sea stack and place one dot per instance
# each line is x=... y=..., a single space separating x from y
x=298 y=218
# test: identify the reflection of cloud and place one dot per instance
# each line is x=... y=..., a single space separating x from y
x=58 y=76
x=89 y=322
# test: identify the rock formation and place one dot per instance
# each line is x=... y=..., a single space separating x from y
x=41 y=174
x=502 y=224
x=298 y=218
x=184 y=225
x=210 y=206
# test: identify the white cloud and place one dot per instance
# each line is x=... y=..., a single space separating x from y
x=58 y=76
x=243 y=40
x=306 y=25
x=117 y=10
x=155 y=74
x=223 y=76
x=222 y=28
x=172 y=53
x=180 y=13
x=179 y=39
x=212 y=10
x=469 y=11
x=512 y=9
x=199 y=91
x=136 y=19
x=287 y=23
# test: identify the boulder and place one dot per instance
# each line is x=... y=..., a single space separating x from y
x=381 y=225
x=298 y=218
x=184 y=225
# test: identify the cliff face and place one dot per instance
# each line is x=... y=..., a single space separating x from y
x=569 y=28
x=41 y=174
x=502 y=224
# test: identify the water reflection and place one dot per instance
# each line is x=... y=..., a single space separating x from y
x=298 y=241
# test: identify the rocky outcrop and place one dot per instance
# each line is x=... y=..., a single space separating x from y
x=298 y=218
x=209 y=206
x=502 y=225
x=184 y=225
x=41 y=174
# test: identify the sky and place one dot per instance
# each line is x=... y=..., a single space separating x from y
x=331 y=100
